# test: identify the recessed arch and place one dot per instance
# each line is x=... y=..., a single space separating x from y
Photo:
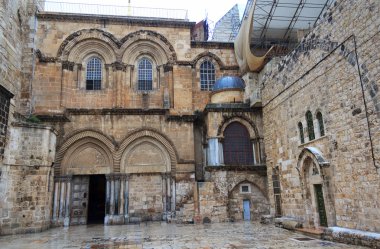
x=249 y=125
x=86 y=34
x=155 y=137
x=96 y=137
x=93 y=46
x=148 y=40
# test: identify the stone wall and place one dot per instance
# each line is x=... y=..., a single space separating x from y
x=334 y=71
x=26 y=179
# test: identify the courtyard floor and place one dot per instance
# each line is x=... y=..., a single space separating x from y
x=163 y=235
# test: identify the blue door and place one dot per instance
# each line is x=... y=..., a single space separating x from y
x=246 y=210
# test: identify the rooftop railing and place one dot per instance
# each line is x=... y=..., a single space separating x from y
x=112 y=10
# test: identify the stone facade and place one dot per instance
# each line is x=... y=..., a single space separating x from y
x=300 y=140
x=331 y=163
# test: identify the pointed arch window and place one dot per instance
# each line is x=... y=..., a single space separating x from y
x=300 y=129
x=94 y=74
x=145 y=75
x=320 y=124
x=207 y=73
x=310 y=125
x=237 y=147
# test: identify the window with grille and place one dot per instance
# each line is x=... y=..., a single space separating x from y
x=145 y=75
x=245 y=189
x=5 y=99
x=237 y=147
x=300 y=128
x=94 y=74
x=207 y=73
x=310 y=125
x=320 y=124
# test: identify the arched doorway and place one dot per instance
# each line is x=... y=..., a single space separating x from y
x=319 y=209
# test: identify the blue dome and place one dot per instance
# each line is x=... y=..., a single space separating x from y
x=229 y=82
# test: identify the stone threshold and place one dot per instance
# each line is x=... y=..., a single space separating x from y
x=316 y=233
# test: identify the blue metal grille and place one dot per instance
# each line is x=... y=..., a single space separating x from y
x=207 y=71
x=94 y=74
x=145 y=75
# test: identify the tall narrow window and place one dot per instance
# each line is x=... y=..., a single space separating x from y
x=145 y=75
x=237 y=147
x=207 y=71
x=94 y=74
x=320 y=124
x=5 y=99
x=300 y=128
x=310 y=125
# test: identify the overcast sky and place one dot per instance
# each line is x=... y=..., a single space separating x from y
x=198 y=9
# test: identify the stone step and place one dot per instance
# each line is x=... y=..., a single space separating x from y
x=316 y=233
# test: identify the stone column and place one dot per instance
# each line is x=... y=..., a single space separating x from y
x=164 y=196
x=253 y=142
x=62 y=201
x=215 y=152
x=262 y=150
x=56 y=200
x=108 y=200
x=112 y=199
x=121 y=195
x=66 y=222
x=126 y=198
x=173 y=196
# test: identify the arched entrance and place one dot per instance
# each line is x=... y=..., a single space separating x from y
x=319 y=209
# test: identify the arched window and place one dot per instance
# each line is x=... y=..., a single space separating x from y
x=145 y=75
x=300 y=128
x=207 y=71
x=310 y=125
x=320 y=124
x=237 y=147
x=94 y=74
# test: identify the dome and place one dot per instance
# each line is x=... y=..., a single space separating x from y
x=229 y=82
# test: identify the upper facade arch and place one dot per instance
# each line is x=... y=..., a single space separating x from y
x=248 y=124
x=147 y=42
x=85 y=41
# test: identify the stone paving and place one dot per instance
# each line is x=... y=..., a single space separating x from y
x=162 y=235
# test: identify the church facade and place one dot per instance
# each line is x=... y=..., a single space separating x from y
x=119 y=120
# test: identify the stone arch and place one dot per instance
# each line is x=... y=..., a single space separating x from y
x=312 y=171
x=152 y=42
x=259 y=203
x=94 y=136
x=145 y=155
x=86 y=34
x=84 y=48
x=147 y=135
x=87 y=156
x=207 y=55
x=251 y=127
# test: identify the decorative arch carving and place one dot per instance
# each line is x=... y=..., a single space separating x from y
x=87 y=156
x=96 y=137
x=152 y=40
x=151 y=134
x=315 y=155
x=87 y=47
x=87 y=34
x=251 y=127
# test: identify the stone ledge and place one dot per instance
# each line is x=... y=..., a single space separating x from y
x=352 y=236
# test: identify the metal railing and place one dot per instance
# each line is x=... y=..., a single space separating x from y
x=112 y=10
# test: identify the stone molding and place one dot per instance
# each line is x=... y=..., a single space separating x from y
x=247 y=122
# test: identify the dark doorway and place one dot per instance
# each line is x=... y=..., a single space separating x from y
x=320 y=205
x=97 y=197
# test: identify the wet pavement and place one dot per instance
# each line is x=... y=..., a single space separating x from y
x=162 y=235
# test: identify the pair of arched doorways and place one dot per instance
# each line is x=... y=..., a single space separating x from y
x=101 y=182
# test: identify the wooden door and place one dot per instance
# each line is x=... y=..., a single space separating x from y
x=79 y=201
